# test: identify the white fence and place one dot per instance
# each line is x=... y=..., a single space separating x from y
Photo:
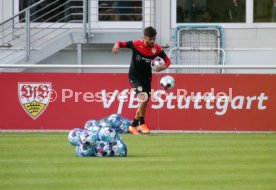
x=55 y=66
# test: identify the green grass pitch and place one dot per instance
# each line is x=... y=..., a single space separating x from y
x=38 y=161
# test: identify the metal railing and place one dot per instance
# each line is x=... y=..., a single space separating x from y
x=222 y=51
x=56 y=66
x=200 y=56
x=38 y=24
x=28 y=30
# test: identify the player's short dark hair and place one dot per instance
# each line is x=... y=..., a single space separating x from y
x=150 y=31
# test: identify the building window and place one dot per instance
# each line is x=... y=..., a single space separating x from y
x=53 y=11
x=103 y=14
x=120 y=10
x=211 y=11
x=125 y=14
x=264 y=11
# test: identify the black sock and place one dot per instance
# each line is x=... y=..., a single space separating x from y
x=135 y=122
x=142 y=120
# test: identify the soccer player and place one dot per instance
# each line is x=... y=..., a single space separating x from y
x=140 y=72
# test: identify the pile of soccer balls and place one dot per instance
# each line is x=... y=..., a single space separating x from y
x=166 y=82
x=101 y=138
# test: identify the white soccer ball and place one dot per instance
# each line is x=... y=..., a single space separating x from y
x=119 y=123
x=102 y=149
x=114 y=121
x=156 y=63
x=104 y=123
x=94 y=129
x=107 y=134
x=88 y=138
x=74 y=136
x=167 y=82
x=85 y=151
x=91 y=123
x=119 y=149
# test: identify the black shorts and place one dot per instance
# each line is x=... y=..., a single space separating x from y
x=141 y=86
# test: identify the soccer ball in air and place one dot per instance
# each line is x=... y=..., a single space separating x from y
x=88 y=138
x=74 y=136
x=102 y=149
x=157 y=63
x=167 y=82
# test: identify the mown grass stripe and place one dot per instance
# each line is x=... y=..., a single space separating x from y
x=157 y=161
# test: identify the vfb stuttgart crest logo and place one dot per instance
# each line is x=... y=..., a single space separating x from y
x=34 y=97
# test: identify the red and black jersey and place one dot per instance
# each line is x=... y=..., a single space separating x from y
x=142 y=56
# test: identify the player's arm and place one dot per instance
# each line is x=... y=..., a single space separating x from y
x=167 y=60
x=118 y=45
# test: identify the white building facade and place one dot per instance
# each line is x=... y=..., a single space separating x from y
x=249 y=27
